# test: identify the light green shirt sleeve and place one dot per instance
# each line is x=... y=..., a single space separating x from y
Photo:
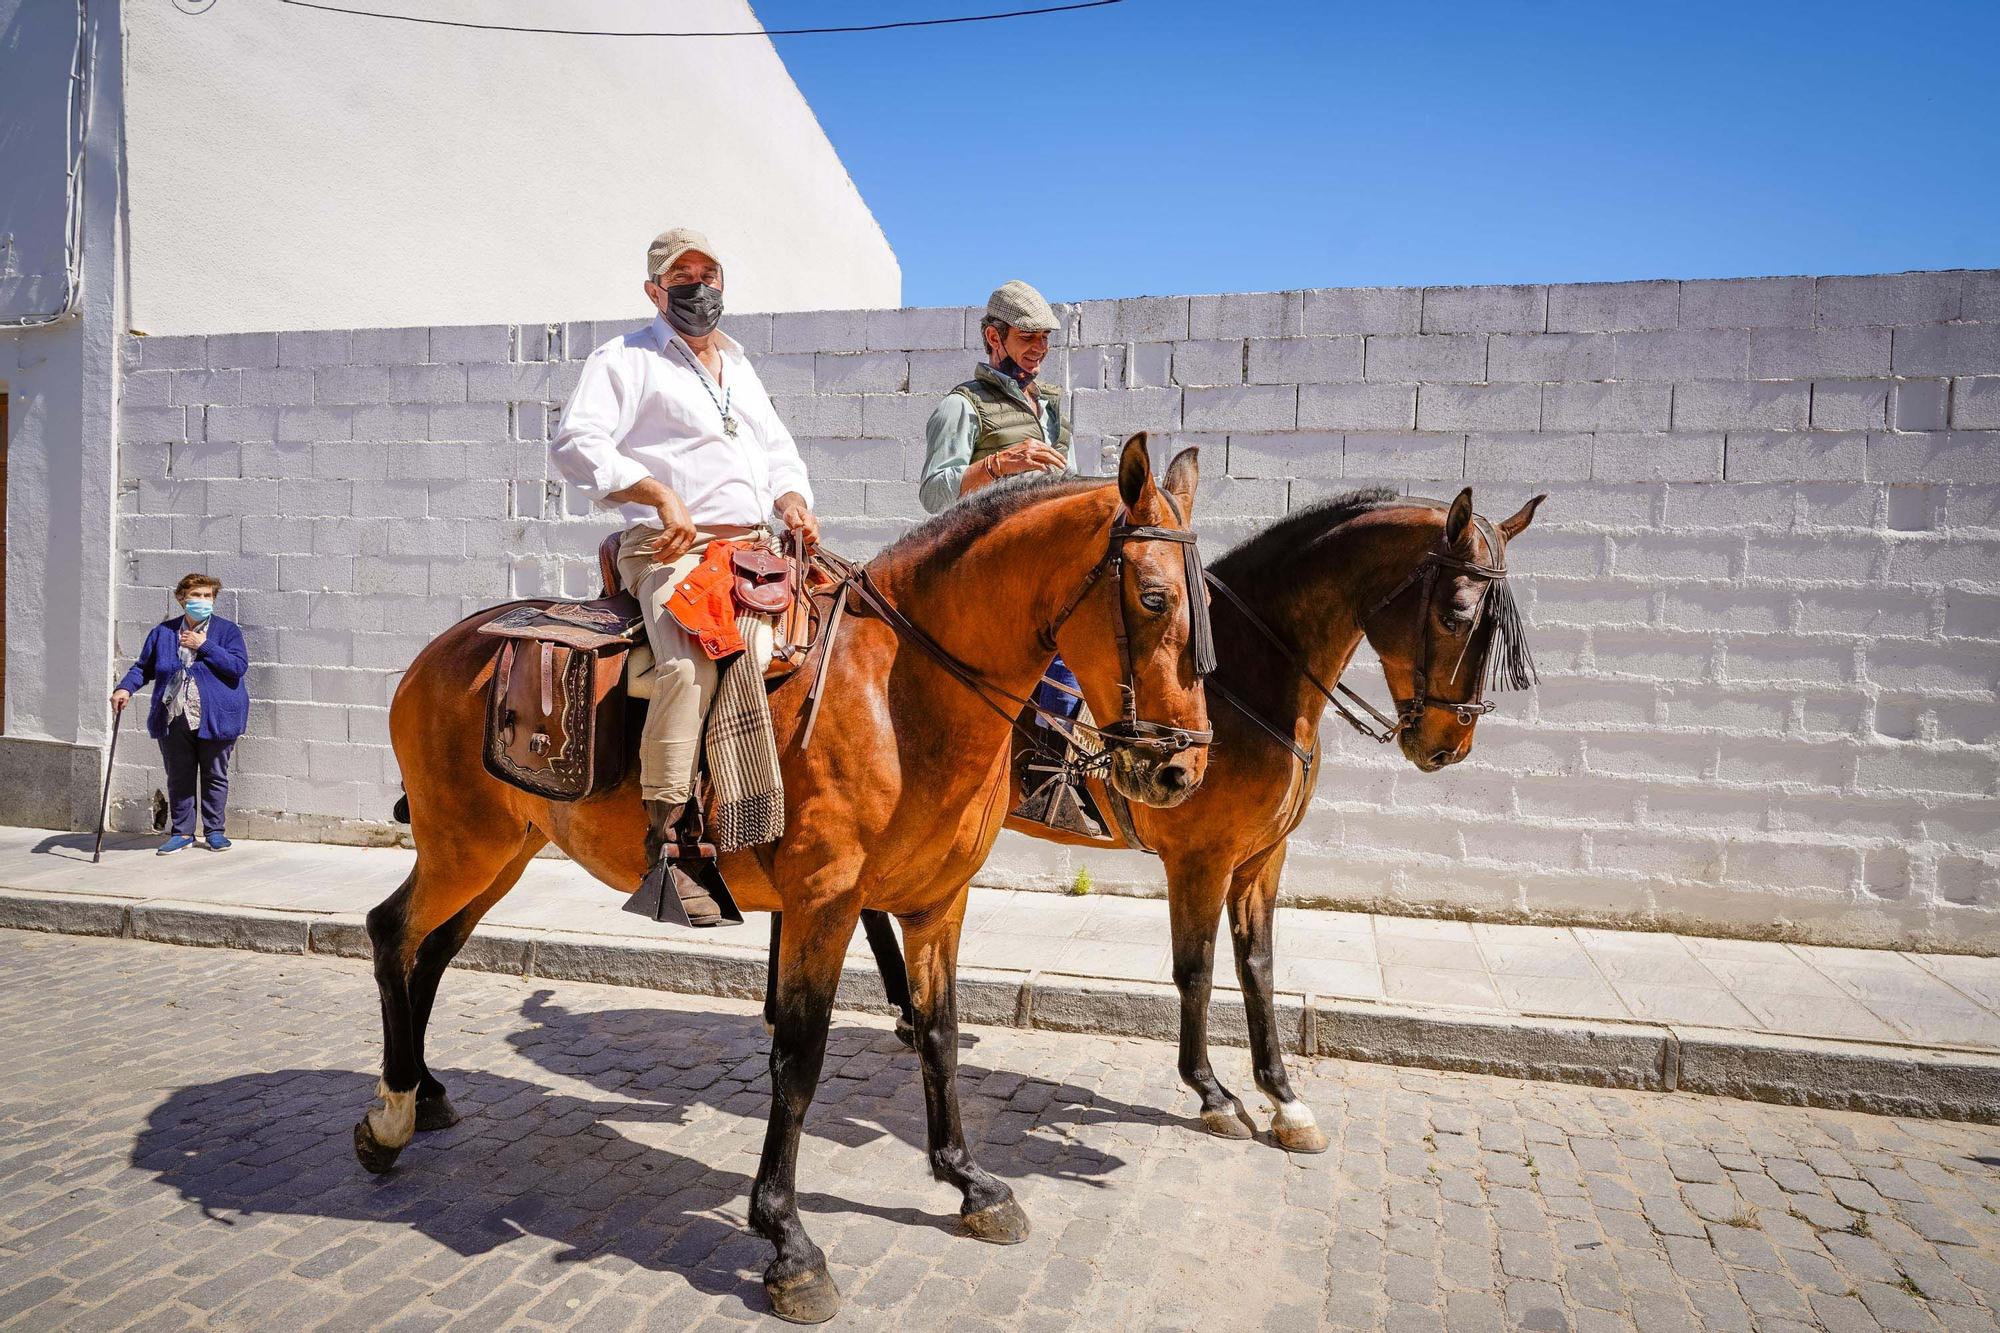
x=948 y=438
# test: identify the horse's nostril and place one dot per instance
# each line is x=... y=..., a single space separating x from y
x=1173 y=777
x=1443 y=757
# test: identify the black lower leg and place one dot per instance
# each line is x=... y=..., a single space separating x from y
x=1194 y=972
x=771 y=972
x=1250 y=930
x=434 y=1111
x=989 y=1209
x=895 y=973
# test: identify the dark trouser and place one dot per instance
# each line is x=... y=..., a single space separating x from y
x=193 y=761
x=1056 y=701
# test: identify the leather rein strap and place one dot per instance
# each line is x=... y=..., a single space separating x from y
x=1129 y=730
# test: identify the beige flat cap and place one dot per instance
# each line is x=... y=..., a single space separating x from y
x=671 y=244
x=1017 y=304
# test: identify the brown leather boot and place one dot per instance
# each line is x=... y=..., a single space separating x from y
x=664 y=835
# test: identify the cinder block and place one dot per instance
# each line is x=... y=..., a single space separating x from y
x=392 y=384
x=1805 y=353
x=468 y=421
x=1608 y=407
x=1417 y=457
x=1651 y=655
x=1925 y=768
x=315 y=573
x=1338 y=310
x=1947 y=349
x=1674 y=557
x=895 y=416
x=278 y=386
x=1508 y=455
x=1121 y=411
x=785 y=373
x=820 y=331
x=940 y=372
x=535 y=381
x=1272 y=407
x=1975 y=403
x=1890 y=298
x=1796 y=456
x=1537 y=357
x=1850 y=404
x=224 y=423
x=1650 y=457
x=1485 y=309
x=1741 y=405
x=311 y=425
x=1932 y=668
x=1247 y=315
x=821 y=415
x=1363 y=407
x=1730 y=608
x=1980 y=299
x=1305 y=360
x=179 y=353
x=1747 y=303
x=862 y=372
x=244 y=351
x=313 y=347
x=1454 y=407
x=398 y=423
x=192 y=388
x=1817 y=558
x=152 y=425
x=1680 y=354
x=1208 y=363
x=1149 y=319
x=753 y=331
x=1919 y=404
x=470 y=342
x=1959 y=456
x=144 y=388
x=909 y=329
x=1284 y=454
x=388 y=347
x=1614 y=307
x=857 y=459
x=1453 y=358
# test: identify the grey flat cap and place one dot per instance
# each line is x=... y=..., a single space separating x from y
x=1017 y=304
x=671 y=244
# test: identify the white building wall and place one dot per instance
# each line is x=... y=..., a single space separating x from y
x=1764 y=592
x=61 y=382
x=301 y=170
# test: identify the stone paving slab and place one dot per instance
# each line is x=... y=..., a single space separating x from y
x=1908 y=1033
x=175 y=1154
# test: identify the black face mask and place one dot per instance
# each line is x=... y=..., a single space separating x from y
x=1015 y=371
x=694 y=308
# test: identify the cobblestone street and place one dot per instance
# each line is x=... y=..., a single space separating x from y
x=175 y=1152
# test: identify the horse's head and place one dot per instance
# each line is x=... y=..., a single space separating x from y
x=1139 y=639
x=1450 y=630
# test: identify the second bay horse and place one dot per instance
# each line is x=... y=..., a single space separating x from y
x=892 y=806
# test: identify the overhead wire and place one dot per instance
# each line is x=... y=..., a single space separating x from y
x=746 y=32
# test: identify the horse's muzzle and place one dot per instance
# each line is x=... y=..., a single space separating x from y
x=1158 y=779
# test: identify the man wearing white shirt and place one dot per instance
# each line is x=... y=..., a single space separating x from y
x=670 y=426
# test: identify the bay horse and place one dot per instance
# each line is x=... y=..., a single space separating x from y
x=892 y=806
x=1425 y=583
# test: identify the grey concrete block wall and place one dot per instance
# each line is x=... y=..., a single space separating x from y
x=1765 y=591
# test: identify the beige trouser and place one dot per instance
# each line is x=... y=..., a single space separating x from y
x=684 y=675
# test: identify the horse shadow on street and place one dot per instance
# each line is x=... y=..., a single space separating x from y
x=527 y=1159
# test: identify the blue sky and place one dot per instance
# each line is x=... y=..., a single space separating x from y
x=1160 y=146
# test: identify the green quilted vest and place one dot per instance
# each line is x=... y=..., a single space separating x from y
x=1004 y=415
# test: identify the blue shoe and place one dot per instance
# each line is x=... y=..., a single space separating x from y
x=218 y=843
x=180 y=842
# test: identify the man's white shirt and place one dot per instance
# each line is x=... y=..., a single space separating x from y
x=644 y=407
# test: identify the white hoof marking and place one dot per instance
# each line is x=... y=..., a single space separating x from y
x=395 y=1120
x=1291 y=1115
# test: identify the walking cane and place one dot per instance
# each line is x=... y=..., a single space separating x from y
x=104 y=806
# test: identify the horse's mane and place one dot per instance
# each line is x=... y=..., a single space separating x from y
x=945 y=536
x=1284 y=538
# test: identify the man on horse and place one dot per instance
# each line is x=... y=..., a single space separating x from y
x=1004 y=422
x=670 y=426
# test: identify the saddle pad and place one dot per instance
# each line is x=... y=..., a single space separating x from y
x=606 y=622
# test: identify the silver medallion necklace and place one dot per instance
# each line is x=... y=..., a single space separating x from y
x=722 y=403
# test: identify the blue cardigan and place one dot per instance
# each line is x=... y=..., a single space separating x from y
x=218 y=674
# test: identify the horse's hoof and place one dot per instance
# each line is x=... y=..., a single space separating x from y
x=373 y=1154
x=770 y=1028
x=1002 y=1224
x=1228 y=1122
x=807 y=1298
x=906 y=1033
x=1293 y=1125
x=436 y=1112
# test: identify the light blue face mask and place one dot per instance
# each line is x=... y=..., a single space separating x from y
x=199 y=609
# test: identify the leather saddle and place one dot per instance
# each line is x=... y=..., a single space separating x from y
x=556 y=707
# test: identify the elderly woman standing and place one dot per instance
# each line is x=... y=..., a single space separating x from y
x=200 y=707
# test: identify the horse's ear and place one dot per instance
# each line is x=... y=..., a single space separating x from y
x=1182 y=474
x=1510 y=528
x=1459 y=520
x=1135 y=471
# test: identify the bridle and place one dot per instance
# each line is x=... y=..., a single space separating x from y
x=1130 y=731
x=1410 y=711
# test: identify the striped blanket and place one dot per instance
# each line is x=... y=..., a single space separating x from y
x=742 y=753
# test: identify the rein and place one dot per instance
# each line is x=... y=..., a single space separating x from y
x=1130 y=730
x=1517 y=665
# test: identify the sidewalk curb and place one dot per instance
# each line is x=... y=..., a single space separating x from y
x=1798 y=1071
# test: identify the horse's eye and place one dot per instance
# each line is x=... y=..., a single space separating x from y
x=1155 y=602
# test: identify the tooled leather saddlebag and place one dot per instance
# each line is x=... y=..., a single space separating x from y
x=555 y=710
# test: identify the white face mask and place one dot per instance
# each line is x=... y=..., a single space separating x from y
x=199 y=609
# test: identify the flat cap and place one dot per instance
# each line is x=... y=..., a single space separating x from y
x=1021 y=306
x=671 y=244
